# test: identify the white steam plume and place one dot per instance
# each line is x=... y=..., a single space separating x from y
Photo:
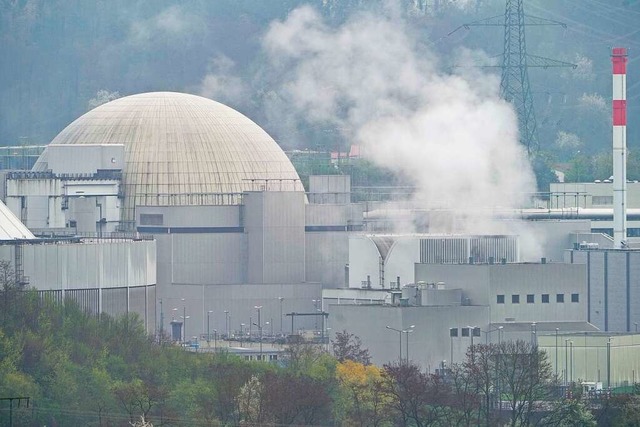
x=450 y=134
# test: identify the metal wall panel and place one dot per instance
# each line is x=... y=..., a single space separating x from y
x=327 y=255
x=616 y=291
x=209 y=258
x=326 y=215
x=85 y=265
x=194 y=216
x=274 y=223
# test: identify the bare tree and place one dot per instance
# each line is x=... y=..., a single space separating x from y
x=347 y=346
x=524 y=375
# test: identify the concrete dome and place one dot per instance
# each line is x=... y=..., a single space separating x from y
x=184 y=149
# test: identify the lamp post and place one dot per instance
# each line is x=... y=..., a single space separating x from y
x=487 y=333
x=259 y=325
x=571 y=360
x=281 y=329
x=215 y=340
x=609 y=363
x=636 y=325
x=226 y=323
x=209 y=327
x=400 y=332
x=184 y=328
x=500 y=329
x=566 y=362
x=533 y=335
x=557 y=329
x=161 y=323
x=184 y=316
x=241 y=333
x=315 y=318
x=328 y=340
x=400 y=346
x=407 y=332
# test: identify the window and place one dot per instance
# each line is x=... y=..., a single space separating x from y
x=515 y=299
x=545 y=298
x=575 y=298
x=465 y=332
x=530 y=299
x=559 y=297
x=453 y=332
x=500 y=299
x=476 y=332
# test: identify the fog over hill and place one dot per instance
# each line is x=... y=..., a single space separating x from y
x=63 y=57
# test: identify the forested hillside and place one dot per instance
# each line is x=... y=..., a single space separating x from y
x=79 y=370
x=58 y=54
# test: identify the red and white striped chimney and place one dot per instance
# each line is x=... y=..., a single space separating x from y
x=619 y=61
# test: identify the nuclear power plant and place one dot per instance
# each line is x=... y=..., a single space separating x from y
x=185 y=212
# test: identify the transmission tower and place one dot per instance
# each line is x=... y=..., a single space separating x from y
x=514 y=84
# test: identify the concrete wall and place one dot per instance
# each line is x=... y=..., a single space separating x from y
x=326 y=257
x=239 y=301
x=430 y=342
x=483 y=283
x=274 y=223
x=85 y=158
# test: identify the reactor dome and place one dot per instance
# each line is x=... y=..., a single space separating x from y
x=183 y=149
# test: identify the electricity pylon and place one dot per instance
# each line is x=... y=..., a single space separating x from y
x=514 y=84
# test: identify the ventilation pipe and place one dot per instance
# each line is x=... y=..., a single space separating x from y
x=619 y=62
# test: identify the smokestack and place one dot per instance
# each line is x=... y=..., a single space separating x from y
x=619 y=62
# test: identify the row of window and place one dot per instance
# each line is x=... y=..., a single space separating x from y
x=531 y=298
x=465 y=332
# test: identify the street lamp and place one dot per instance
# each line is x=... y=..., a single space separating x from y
x=533 y=335
x=408 y=331
x=571 y=360
x=241 y=333
x=557 y=329
x=400 y=346
x=609 y=363
x=400 y=332
x=184 y=328
x=208 y=327
x=184 y=316
x=259 y=325
x=215 y=340
x=281 y=329
x=487 y=333
x=315 y=310
x=226 y=323
x=566 y=361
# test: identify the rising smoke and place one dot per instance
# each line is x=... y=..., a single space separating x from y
x=449 y=133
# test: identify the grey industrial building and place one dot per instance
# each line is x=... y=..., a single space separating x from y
x=193 y=214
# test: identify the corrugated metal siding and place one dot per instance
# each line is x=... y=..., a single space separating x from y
x=454 y=250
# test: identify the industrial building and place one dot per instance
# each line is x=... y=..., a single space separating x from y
x=214 y=224
x=236 y=235
x=457 y=303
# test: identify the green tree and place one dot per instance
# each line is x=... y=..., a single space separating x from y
x=569 y=413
